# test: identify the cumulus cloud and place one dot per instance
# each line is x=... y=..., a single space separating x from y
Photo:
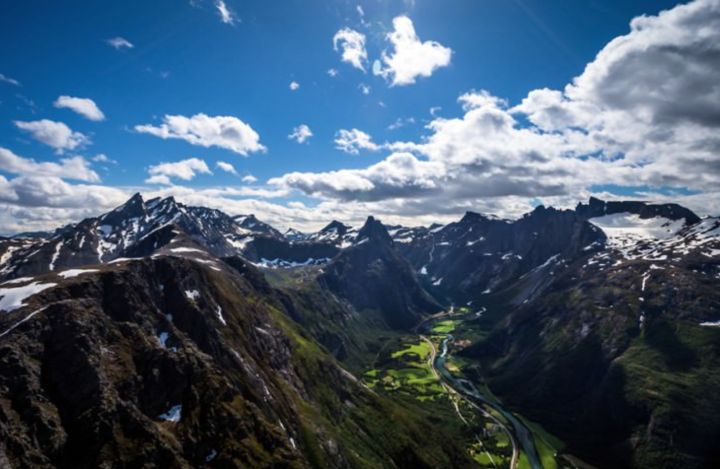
x=226 y=14
x=645 y=112
x=333 y=72
x=650 y=97
x=54 y=134
x=398 y=174
x=84 y=106
x=119 y=43
x=364 y=89
x=352 y=44
x=411 y=58
x=39 y=199
x=184 y=169
x=8 y=80
x=249 y=179
x=225 y=132
x=301 y=133
x=353 y=140
x=69 y=168
x=227 y=167
x=294 y=86
x=557 y=145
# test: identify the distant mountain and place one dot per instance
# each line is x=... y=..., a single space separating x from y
x=335 y=233
x=294 y=235
x=126 y=231
x=373 y=275
x=477 y=255
x=599 y=208
x=601 y=323
x=253 y=225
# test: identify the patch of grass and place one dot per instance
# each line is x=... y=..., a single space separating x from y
x=402 y=367
x=445 y=327
x=421 y=350
x=523 y=462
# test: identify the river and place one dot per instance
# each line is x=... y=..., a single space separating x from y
x=469 y=391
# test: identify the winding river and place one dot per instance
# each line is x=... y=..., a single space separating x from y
x=519 y=431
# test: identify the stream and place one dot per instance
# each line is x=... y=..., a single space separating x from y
x=520 y=431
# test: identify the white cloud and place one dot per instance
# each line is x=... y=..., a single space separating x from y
x=226 y=15
x=120 y=43
x=301 y=133
x=227 y=167
x=7 y=79
x=249 y=179
x=69 y=168
x=361 y=14
x=103 y=158
x=401 y=122
x=294 y=86
x=411 y=58
x=354 y=140
x=221 y=131
x=83 y=106
x=492 y=156
x=54 y=134
x=333 y=72
x=352 y=44
x=364 y=89
x=602 y=129
x=159 y=179
x=184 y=169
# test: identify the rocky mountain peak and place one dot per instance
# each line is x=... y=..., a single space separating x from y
x=472 y=217
x=336 y=227
x=252 y=223
x=598 y=208
x=374 y=230
x=134 y=207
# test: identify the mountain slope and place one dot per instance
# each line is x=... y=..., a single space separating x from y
x=465 y=260
x=619 y=355
x=181 y=363
x=371 y=275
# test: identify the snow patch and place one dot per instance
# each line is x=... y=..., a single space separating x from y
x=162 y=339
x=172 y=415
x=710 y=324
x=184 y=249
x=220 y=315
x=26 y=318
x=75 y=272
x=13 y=298
x=283 y=264
x=625 y=230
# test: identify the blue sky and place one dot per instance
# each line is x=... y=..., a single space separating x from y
x=185 y=60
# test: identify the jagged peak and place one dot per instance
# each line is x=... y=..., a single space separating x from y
x=474 y=217
x=339 y=227
x=133 y=207
x=374 y=230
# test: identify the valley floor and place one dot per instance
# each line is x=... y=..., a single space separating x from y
x=422 y=366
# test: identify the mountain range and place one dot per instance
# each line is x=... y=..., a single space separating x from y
x=160 y=334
